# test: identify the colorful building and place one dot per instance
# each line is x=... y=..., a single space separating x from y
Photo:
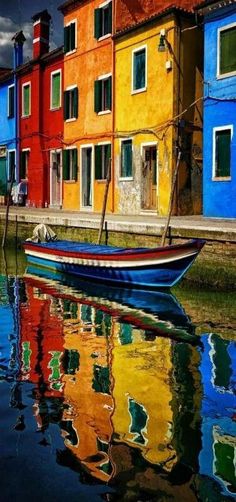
x=219 y=180
x=9 y=106
x=88 y=117
x=158 y=75
x=40 y=83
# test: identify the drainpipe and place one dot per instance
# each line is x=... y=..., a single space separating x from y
x=178 y=108
x=113 y=108
x=19 y=40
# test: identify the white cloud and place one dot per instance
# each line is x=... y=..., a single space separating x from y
x=7 y=30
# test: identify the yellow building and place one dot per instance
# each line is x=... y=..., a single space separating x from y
x=157 y=77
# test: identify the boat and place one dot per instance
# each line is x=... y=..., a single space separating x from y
x=157 y=313
x=160 y=267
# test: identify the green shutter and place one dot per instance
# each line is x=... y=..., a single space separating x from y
x=56 y=90
x=26 y=100
x=74 y=164
x=98 y=162
x=66 y=105
x=75 y=102
x=66 y=166
x=66 y=38
x=11 y=103
x=228 y=51
x=11 y=166
x=107 y=158
x=110 y=18
x=97 y=95
x=72 y=36
x=97 y=23
x=126 y=159
x=109 y=93
x=223 y=144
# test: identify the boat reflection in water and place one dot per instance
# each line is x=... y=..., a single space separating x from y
x=119 y=371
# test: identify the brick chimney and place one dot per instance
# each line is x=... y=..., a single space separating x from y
x=19 y=40
x=41 y=33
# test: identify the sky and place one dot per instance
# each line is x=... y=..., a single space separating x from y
x=16 y=15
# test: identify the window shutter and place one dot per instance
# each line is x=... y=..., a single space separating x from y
x=98 y=162
x=107 y=159
x=66 y=164
x=223 y=142
x=56 y=88
x=126 y=158
x=26 y=100
x=11 y=166
x=97 y=95
x=97 y=23
x=75 y=102
x=11 y=104
x=227 y=51
x=110 y=18
x=109 y=93
x=74 y=164
x=66 y=38
x=66 y=105
x=72 y=36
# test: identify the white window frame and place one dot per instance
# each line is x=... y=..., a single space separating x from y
x=215 y=130
x=101 y=6
x=87 y=145
x=72 y=147
x=8 y=100
x=219 y=31
x=23 y=103
x=126 y=178
x=105 y=77
x=51 y=80
x=142 y=89
x=25 y=150
x=70 y=88
x=65 y=26
x=8 y=162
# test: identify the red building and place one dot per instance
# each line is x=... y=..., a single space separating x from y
x=40 y=83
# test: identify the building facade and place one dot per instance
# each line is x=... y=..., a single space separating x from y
x=219 y=180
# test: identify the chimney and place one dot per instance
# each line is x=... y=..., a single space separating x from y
x=19 y=40
x=41 y=33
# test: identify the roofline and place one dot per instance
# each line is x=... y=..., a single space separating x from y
x=69 y=5
x=155 y=17
x=6 y=76
x=59 y=51
x=208 y=5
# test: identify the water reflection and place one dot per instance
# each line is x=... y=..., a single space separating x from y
x=119 y=389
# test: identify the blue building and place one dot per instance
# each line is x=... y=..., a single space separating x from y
x=219 y=136
x=9 y=154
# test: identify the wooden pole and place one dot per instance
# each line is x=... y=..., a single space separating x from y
x=171 y=199
x=7 y=209
x=108 y=179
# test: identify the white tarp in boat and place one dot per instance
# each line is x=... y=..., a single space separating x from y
x=42 y=233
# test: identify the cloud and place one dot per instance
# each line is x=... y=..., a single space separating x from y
x=7 y=30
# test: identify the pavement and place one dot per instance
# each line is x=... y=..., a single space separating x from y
x=145 y=223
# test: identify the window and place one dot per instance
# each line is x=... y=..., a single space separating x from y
x=11 y=165
x=126 y=159
x=227 y=50
x=139 y=70
x=71 y=102
x=70 y=37
x=55 y=90
x=11 y=101
x=222 y=152
x=103 y=20
x=102 y=159
x=102 y=94
x=70 y=164
x=26 y=96
x=24 y=163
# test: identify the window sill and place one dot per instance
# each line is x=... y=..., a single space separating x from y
x=220 y=76
x=101 y=181
x=70 y=52
x=104 y=37
x=69 y=182
x=71 y=120
x=25 y=116
x=221 y=178
x=55 y=109
x=137 y=91
x=128 y=178
x=10 y=118
x=104 y=112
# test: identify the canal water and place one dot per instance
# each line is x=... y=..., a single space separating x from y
x=109 y=394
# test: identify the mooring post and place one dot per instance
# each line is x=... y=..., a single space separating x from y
x=7 y=209
x=104 y=202
x=171 y=199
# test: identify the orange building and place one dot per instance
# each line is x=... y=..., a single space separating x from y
x=87 y=103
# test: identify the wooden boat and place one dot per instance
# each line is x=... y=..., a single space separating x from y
x=158 y=313
x=160 y=267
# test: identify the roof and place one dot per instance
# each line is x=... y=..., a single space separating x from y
x=59 y=51
x=69 y=4
x=5 y=74
x=208 y=5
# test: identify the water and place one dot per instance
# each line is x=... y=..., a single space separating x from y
x=114 y=395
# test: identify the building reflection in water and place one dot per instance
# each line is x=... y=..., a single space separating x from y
x=130 y=404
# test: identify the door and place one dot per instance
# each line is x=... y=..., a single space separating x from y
x=86 y=186
x=149 y=196
x=56 y=179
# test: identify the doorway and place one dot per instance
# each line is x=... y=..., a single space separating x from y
x=56 y=179
x=149 y=177
x=86 y=177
